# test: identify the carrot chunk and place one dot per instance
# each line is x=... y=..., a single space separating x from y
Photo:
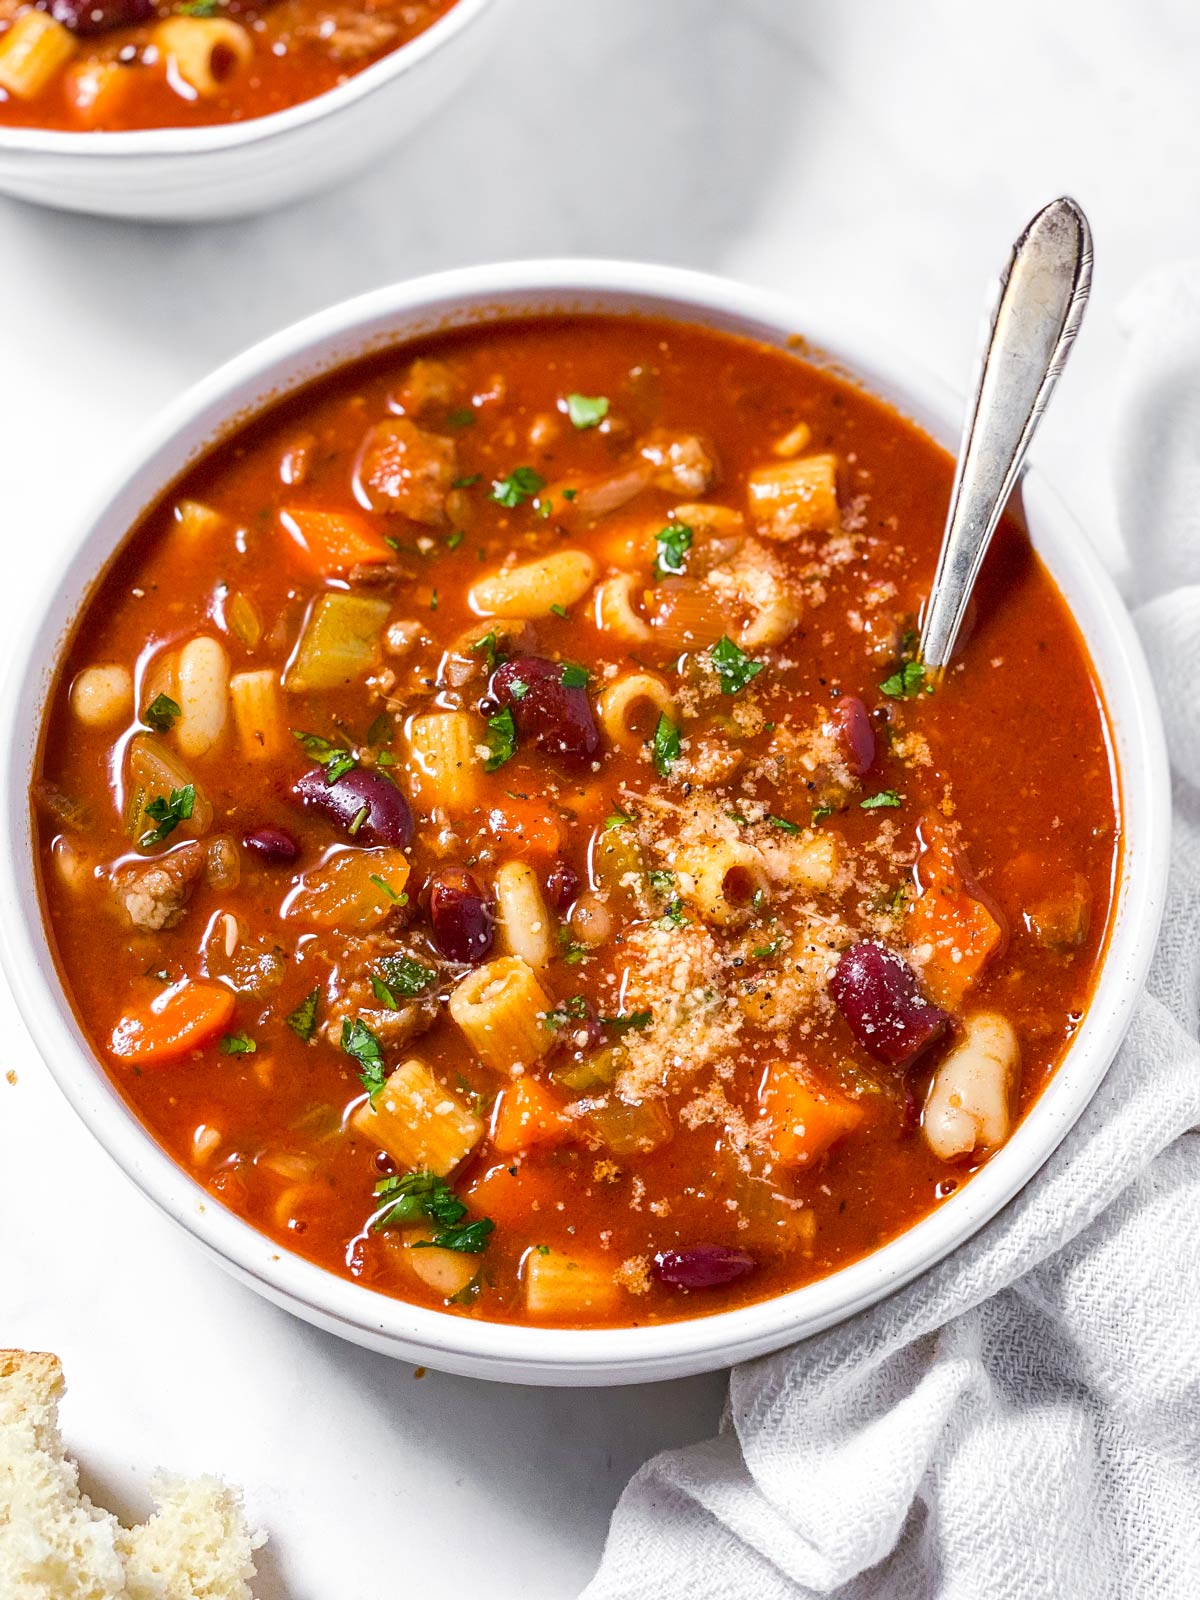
x=513 y=1195
x=804 y=1121
x=174 y=1023
x=950 y=919
x=526 y=828
x=332 y=541
x=528 y=1114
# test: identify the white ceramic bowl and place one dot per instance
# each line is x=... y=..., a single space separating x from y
x=545 y=1355
x=195 y=174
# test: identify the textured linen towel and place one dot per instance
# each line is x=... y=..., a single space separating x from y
x=1024 y=1421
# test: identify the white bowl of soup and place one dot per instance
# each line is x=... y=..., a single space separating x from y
x=219 y=108
x=485 y=858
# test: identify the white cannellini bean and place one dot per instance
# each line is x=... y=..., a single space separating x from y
x=102 y=696
x=203 y=695
x=969 y=1105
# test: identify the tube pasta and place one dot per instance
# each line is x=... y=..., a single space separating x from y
x=531 y=589
x=969 y=1105
x=794 y=442
x=205 y=52
x=102 y=696
x=810 y=860
x=421 y=1125
x=615 y=612
x=721 y=879
x=522 y=922
x=203 y=678
x=623 y=699
x=443 y=746
x=33 y=51
x=789 y=498
x=557 y=1286
x=258 y=714
x=501 y=1009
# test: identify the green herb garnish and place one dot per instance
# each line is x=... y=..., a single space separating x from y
x=468 y=1237
x=674 y=541
x=877 y=802
x=734 y=667
x=666 y=746
x=635 y=1020
x=488 y=645
x=501 y=737
x=559 y=611
x=162 y=713
x=522 y=483
x=392 y=894
x=907 y=682
x=237 y=1044
x=463 y=417
x=784 y=825
x=303 y=1021
x=574 y=677
x=586 y=411
x=167 y=813
x=335 y=758
x=617 y=820
x=403 y=976
x=358 y=1041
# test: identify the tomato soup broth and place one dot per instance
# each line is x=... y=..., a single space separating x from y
x=498 y=839
x=115 y=66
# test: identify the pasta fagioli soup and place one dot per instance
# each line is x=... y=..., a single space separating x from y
x=498 y=839
x=118 y=65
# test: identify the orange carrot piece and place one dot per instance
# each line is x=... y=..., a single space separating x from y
x=175 y=1022
x=526 y=828
x=528 y=1114
x=512 y=1195
x=804 y=1121
x=957 y=926
x=331 y=541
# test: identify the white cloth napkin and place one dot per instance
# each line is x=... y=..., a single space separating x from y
x=1024 y=1421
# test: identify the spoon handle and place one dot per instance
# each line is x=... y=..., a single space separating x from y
x=1042 y=296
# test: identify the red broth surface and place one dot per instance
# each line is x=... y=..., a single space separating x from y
x=496 y=837
x=118 y=65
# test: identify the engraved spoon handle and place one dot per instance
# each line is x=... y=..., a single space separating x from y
x=1042 y=296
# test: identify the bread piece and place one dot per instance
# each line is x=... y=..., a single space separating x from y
x=56 y=1545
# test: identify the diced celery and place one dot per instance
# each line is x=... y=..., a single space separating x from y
x=339 y=642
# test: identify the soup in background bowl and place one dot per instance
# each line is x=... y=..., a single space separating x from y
x=495 y=834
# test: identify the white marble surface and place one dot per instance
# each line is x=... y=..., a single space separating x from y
x=877 y=156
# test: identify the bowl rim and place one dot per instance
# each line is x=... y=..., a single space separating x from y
x=94 y=145
x=331 y=339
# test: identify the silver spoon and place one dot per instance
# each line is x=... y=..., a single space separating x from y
x=1042 y=295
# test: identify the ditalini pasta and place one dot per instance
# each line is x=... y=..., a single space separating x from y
x=498 y=838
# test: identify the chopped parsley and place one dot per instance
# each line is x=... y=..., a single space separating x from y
x=469 y=482
x=574 y=677
x=197 y=8
x=572 y=952
x=907 y=682
x=463 y=417
x=586 y=411
x=521 y=484
x=468 y=1237
x=821 y=812
x=762 y=951
x=617 y=820
x=303 y=1021
x=380 y=731
x=877 y=802
x=784 y=825
x=335 y=758
x=237 y=1044
x=167 y=812
x=635 y=1020
x=453 y=540
x=563 y=1015
x=358 y=1041
x=488 y=646
x=501 y=738
x=392 y=894
x=673 y=916
x=734 y=667
x=402 y=976
x=665 y=746
x=662 y=883
x=359 y=817
x=416 y=1197
x=674 y=541
x=559 y=611
x=162 y=713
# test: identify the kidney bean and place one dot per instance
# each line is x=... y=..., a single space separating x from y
x=562 y=885
x=855 y=734
x=99 y=16
x=702 y=1266
x=271 y=844
x=461 y=915
x=556 y=716
x=388 y=818
x=877 y=994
